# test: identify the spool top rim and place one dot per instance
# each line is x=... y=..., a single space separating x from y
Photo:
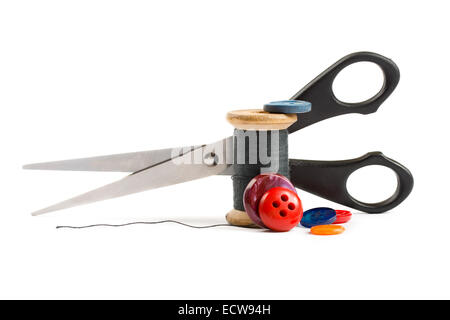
x=257 y=119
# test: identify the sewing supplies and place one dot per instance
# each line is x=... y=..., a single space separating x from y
x=259 y=145
x=318 y=216
x=327 y=230
x=288 y=106
x=257 y=187
x=280 y=209
x=342 y=216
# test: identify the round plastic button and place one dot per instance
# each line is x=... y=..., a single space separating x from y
x=288 y=106
x=256 y=189
x=318 y=216
x=342 y=216
x=280 y=209
x=327 y=230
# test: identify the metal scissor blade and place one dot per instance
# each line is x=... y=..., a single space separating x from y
x=173 y=171
x=124 y=162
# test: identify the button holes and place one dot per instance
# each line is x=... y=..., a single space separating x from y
x=291 y=206
x=284 y=197
x=283 y=213
x=275 y=204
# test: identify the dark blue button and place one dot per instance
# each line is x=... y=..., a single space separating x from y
x=288 y=106
x=318 y=216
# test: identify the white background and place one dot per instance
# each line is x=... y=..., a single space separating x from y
x=86 y=78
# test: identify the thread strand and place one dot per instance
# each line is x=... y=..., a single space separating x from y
x=145 y=222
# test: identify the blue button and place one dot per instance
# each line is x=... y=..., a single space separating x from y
x=317 y=217
x=288 y=106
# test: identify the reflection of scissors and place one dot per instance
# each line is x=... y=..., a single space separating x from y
x=327 y=179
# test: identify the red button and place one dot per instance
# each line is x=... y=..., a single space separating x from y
x=257 y=187
x=342 y=216
x=280 y=209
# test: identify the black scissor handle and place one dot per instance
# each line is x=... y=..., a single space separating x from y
x=328 y=179
x=325 y=104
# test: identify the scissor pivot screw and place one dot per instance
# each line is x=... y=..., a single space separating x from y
x=211 y=159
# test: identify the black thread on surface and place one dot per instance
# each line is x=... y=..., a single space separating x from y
x=145 y=222
x=244 y=173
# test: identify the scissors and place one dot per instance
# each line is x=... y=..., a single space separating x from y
x=327 y=179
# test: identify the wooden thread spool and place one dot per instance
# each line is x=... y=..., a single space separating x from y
x=258 y=120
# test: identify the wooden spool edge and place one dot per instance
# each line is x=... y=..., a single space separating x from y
x=256 y=119
x=239 y=218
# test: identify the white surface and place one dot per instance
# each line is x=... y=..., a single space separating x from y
x=88 y=78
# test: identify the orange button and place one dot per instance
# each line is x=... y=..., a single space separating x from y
x=327 y=230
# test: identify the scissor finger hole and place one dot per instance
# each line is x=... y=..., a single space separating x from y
x=372 y=184
x=358 y=82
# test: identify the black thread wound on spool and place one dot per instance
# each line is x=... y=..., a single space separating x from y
x=244 y=172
